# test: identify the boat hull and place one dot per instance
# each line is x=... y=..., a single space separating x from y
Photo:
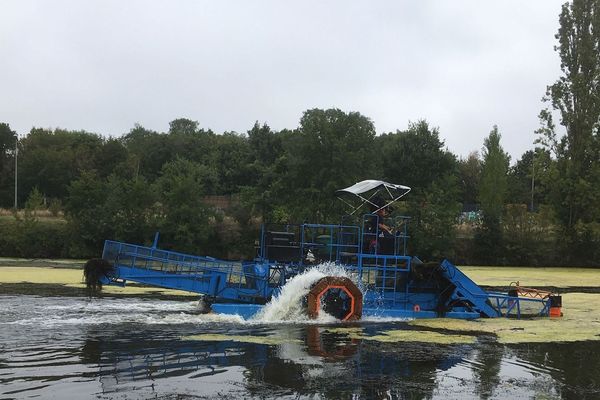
x=248 y=311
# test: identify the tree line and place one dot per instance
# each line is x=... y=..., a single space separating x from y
x=542 y=210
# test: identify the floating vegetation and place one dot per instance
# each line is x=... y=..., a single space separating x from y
x=534 y=277
x=404 y=335
x=346 y=330
x=581 y=321
x=46 y=275
x=72 y=278
x=215 y=337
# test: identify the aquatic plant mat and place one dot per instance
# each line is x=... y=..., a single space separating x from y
x=581 y=321
x=68 y=280
x=534 y=277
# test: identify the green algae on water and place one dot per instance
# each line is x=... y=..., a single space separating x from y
x=580 y=322
x=403 y=335
x=74 y=278
x=534 y=277
x=215 y=337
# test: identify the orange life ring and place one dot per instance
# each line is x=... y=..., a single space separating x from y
x=416 y=308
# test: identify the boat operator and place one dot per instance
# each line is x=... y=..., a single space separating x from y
x=382 y=234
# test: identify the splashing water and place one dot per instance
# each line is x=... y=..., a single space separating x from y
x=288 y=305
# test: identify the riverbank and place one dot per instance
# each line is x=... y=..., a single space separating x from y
x=41 y=262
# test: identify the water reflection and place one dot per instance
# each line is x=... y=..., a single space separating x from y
x=66 y=348
x=314 y=361
x=486 y=369
x=332 y=364
x=573 y=368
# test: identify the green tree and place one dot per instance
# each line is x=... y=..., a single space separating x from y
x=331 y=149
x=186 y=140
x=8 y=138
x=492 y=197
x=529 y=176
x=51 y=160
x=433 y=219
x=265 y=153
x=130 y=209
x=233 y=172
x=529 y=236
x=265 y=145
x=576 y=189
x=86 y=214
x=470 y=176
x=183 y=126
x=34 y=203
x=494 y=176
x=148 y=151
x=183 y=219
x=417 y=158
x=112 y=158
x=115 y=208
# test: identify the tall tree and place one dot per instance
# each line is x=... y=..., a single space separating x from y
x=576 y=192
x=148 y=151
x=8 y=139
x=231 y=162
x=86 y=213
x=51 y=159
x=470 y=175
x=330 y=150
x=183 y=218
x=116 y=207
x=417 y=157
x=265 y=149
x=494 y=178
x=265 y=145
x=492 y=196
x=183 y=126
x=528 y=180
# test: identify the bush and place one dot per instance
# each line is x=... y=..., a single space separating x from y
x=33 y=239
x=55 y=207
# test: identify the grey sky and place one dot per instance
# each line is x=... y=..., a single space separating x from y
x=103 y=66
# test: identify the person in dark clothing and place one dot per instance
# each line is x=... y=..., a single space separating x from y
x=381 y=235
x=384 y=229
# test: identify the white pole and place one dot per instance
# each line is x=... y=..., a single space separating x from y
x=16 y=169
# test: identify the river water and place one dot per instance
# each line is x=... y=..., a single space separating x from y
x=67 y=346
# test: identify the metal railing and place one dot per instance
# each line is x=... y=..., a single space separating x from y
x=140 y=263
x=514 y=306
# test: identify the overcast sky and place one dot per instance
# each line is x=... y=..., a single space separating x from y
x=103 y=66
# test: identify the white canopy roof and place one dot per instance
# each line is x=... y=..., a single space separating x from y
x=394 y=193
x=370 y=184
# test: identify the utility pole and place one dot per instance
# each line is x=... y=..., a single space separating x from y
x=16 y=170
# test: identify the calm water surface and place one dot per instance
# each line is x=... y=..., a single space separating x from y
x=68 y=347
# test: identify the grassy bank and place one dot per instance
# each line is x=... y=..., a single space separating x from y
x=41 y=262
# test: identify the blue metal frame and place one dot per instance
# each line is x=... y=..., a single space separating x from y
x=237 y=281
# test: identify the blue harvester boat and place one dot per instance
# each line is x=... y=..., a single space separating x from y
x=381 y=279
